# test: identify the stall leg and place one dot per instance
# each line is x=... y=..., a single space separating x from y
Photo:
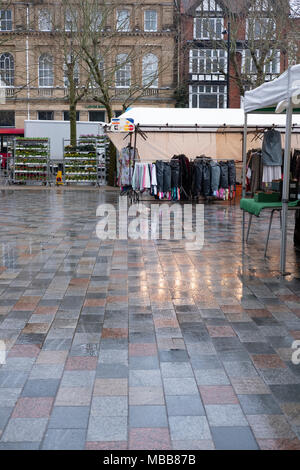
x=249 y=226
x=280 y=218
x=269 y=231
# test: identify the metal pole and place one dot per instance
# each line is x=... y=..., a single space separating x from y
x=244 y=167
x=228 y=62
x=245 y=153
x=286 y=182
x=27 y=63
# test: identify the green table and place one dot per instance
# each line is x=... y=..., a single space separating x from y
x=255 y=208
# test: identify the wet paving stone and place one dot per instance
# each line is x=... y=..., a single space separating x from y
x=130 y=344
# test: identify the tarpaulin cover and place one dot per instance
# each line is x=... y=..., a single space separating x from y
x=210 y=137
x=271 y=93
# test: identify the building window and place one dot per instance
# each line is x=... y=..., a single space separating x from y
x=66 y=115
x=6 y=20
x=293 y=52
x=70 y=21
x=260 y=28
x=260 y=5
x=45 y=115
x=150 y=20
x=209 y=5
x=45 y=20
x=208 y=28
x=96 y=21
x=94 y=76
x=150 y=71
x=123 y=73
x=123 y=20
x=46 y=75
x=97 y=116
x=7 y=70
x=271 y=63
x=208 y=96
x=75 y=73
x=118 y=113
x=7 y=118
x=208 y=61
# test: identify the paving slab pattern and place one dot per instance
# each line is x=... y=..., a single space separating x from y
x=141 y=344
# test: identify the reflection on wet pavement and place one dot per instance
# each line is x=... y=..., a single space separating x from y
x=141 y=344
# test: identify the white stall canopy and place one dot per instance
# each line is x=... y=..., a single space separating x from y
x=270 y=94
x=217 y=133
x=281 y=94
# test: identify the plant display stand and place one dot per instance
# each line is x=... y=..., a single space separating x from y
x=85 y=163
x=31 y=161
x=101 y=150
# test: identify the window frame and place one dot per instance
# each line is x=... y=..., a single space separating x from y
x=150 y=30
x=253 y=71
x=208 y=90
x=76 y=73
x=128 y=19
x=125 y=69
x=49 y=19
x=5 y=113
x=10 y=70
x=44 y=56
x=196 y=54
x=69 y=17
x=6 y=20
x=95 y=24
x=144 y=65
x=97 y=111
x=45 y=111
x=208 y=36
x=77 y=116
x=258 y=22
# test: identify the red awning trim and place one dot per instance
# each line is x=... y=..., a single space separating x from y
x=11 y=131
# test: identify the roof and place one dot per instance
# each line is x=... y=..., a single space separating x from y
x=235 y=6
x=210 y=118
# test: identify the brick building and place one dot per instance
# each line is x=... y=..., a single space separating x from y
x=204 y=38
x=35 y=85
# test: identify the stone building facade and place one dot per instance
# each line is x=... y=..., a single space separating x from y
x=33 y=82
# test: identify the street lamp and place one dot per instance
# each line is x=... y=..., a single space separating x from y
x=228 y=32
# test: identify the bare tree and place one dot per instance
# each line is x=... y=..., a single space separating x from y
x=114 y=61
x=293 y=34
x=120 y=68
x=65 y=56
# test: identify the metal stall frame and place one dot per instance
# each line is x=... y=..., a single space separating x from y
x=290 y=110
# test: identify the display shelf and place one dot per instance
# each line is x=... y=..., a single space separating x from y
x=31 y=160
x=82 y=162
x=102 y=155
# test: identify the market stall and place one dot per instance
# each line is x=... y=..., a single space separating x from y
x=279 y=95
x=206 y=143
x=217 y=133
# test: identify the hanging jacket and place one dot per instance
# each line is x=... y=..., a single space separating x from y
x=215 y=176
x=206 y=175
x=160 y=175
x=231 y=173
x=197 y=178
x=167 y=177
x=224 y=183
x=272 y=148
x=175 y=173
